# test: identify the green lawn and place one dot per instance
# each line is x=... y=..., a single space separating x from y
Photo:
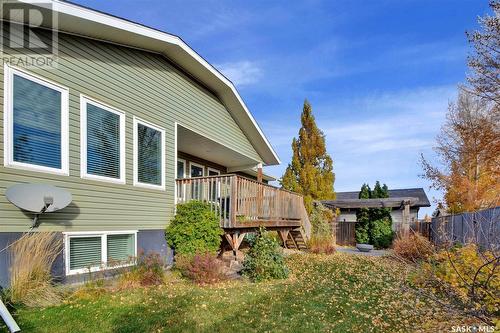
x=336 y=293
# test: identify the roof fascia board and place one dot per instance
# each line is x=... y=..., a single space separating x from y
x=223 y=87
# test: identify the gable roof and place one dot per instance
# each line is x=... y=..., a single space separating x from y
x=417 y=196
x=83 y=21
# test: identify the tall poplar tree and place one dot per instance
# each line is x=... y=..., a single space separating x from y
x=310 y=172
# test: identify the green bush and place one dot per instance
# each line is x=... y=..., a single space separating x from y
x=321 y=218
x=362 y=236
x=194 y=229
x=381 y=233
x=265 y=259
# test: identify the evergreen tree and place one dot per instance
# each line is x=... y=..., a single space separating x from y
x=374 y=225
x=363 y=217
x=380 y=227
x=310 y=172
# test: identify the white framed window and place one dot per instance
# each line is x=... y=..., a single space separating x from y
x=196 y=170
x=91 y=251
x=35 y=123
x=102 y=130
x=213 y=172
x=181 y=168
x=214 y=185
x=149 y=155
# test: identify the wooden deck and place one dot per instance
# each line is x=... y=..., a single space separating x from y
x=244 y=205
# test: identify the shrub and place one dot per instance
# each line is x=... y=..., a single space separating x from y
x=265 y=260
x=202 y=268
x=361 y=233
x=321 y=244
x=381 y=233
x=320 y=218
x=149 y=271
x=413 y=247
x=468 y=277
x=32 y=257
x=194 y=229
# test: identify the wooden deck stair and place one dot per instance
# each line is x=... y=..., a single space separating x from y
x=295 y=240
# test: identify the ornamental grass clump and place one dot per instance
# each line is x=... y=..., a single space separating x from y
x=265 y=260
x=321 y=244
x=32 y=257
x=413 y=247
x=321 y=241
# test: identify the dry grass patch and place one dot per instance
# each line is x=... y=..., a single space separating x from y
x=32 y=257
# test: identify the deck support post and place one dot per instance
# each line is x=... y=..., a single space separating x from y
x=284 y=236
x=235 y=239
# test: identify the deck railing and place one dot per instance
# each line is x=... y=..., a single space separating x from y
x=242 y=202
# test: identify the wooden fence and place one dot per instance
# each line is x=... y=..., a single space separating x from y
x=345 y=234
x=421 y=227
x=481 y=228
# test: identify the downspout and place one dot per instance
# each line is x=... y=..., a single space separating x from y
x=7 y=318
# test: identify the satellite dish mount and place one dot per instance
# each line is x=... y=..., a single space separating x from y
x=38 y=199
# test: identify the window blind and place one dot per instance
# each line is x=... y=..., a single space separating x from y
x=120 y=248
x=37 y=123
x=84 y=252
x=103 y=142
x=149 y=158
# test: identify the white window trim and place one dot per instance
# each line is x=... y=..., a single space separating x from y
x=136 y=122
x=213 y=170
x=9 y=73
x=84 y=101
x=185 y=167
x=104 y=249
x=197 y=165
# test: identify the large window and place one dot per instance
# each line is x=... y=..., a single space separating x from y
x=149 y=155
x=92 y=251
x=103 y=142
x=36 y=123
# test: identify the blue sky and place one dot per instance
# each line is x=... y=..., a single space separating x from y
x=378 y=73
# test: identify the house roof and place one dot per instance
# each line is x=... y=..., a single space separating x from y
x=87 y=22
x=416 y=196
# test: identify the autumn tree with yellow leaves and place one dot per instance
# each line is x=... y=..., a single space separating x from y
x=468 y=148
x=310 y=172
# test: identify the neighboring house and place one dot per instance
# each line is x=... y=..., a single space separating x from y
x=127 y=111
x=413 y=198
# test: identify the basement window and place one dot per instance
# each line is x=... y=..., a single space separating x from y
x=93 y=251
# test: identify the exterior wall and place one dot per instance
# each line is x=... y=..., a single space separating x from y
x=139 y=84
x=349 y=215
x=147 y=241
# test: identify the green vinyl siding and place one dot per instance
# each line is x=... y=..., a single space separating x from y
x=120 y=247
x=140 y=84
x=84 y=252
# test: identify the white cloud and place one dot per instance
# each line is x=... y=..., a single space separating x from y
x=375 y=137
x=241 y=72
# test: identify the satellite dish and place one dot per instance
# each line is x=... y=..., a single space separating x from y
x=38 y=199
